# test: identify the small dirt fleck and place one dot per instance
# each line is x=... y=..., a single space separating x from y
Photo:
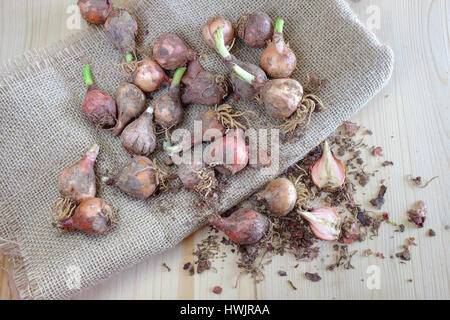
x=217 y=290
x=314 y=277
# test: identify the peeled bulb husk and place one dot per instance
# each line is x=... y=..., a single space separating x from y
x=328 y=173
x=324 y=223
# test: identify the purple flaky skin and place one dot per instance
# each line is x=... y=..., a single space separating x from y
x=203 y=87
x=122 y=29
x=171 y=52
x=256 y=29
x=99 y=107
x=95 y=11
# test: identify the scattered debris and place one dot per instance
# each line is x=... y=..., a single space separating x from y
x=292 y=235
x=417 y=181
x=291 y=284
x=376 y=151
x=404 y=255
x=166 y=266
x=379 y=200
x=217 y=290
x=431 y=233
x=379 y=255
x=314 y=277
x=418 y=215
x=350 y=128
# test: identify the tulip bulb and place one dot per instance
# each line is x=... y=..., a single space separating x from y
x=328 y=173
x=245 y=226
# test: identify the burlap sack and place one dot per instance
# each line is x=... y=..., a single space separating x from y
x=43 y=130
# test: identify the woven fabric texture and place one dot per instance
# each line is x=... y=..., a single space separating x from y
x=43 y=130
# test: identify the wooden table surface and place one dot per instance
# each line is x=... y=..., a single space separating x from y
x=409 y=118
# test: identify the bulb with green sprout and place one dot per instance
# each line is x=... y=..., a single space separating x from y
x=242 y=89
x=168 y=108
x=278 y=60
x=98 y=106
x=282 y=98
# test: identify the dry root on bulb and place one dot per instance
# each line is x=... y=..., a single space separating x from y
x=198 y=177
x=93 y=216
x=309 y=104
x=228 y=117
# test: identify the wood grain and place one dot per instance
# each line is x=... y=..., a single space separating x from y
x=410 y=120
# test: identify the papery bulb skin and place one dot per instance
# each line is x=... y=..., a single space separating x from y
x=203 y=87
x=256 y=29
x=100 y=108
x=281 y=97
x=121 y=28
x=93 y=216
x=169 y=108
x=139 y=138
x=130 y=102
x=280 y=196
x=229 y=154
x=278 y=60
x=149 y=76
x=244 y=226
x=171 y=52
x=139 y=178
x=324 y=223
x=211 y=27
x=328 y=173
x=95 y=11
x=77 y=182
